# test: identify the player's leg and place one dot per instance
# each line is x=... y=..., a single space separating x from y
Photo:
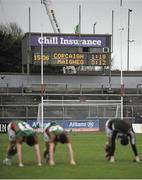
x=51 y=153
x=11 y=151
x=64 y=139
x=32 y=140
x=38 y=155
x=46 y=153
x=71 y=154
x=108 y=143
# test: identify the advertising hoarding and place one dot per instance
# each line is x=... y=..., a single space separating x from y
x=74 y=125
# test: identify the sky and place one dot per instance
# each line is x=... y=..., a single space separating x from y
x=92 y=11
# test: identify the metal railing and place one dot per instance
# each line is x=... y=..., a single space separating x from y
x=68 y=88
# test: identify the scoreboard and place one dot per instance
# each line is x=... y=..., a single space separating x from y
x=67 y=49
x=75 y=59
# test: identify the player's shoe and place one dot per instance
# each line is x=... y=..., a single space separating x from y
x=112 y=160
x=51 y=163
x=39 y=164
x=21 y=165
x=137 y=159
x=7 y=162
x=72 y=162
x=45 y=158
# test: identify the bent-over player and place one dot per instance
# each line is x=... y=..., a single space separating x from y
x=19 y=132
x=54 y=133
x=117 y=128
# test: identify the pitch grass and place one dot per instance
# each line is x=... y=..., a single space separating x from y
x=89 y=154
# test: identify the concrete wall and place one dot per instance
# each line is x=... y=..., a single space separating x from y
x=98 y=81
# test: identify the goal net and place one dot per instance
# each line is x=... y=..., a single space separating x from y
x=78 y=110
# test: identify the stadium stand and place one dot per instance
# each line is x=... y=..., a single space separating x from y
x=20 y=94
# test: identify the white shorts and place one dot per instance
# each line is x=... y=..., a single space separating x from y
x=46 y=137
x=11 y=133
x=108 y=130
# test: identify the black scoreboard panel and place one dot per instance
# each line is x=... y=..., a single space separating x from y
x=98 y=59
x=75 y=59
x=70 y=56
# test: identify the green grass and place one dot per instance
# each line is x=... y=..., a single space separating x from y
x=90 y=157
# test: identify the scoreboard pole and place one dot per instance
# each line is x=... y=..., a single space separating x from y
x=121 y=57
x=42 y=83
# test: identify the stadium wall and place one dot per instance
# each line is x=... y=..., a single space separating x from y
x=20 y=80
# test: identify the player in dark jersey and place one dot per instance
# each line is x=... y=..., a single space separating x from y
x=54 y=133
x=19 y=132
x=119 y=129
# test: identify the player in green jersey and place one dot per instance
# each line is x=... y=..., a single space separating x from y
x=19 y=132
x=54 y=133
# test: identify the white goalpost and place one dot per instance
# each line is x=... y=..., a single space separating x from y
x=54 y=110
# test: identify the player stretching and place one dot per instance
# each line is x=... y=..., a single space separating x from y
x=19 y=132
x=117 y=128
x=54 y=133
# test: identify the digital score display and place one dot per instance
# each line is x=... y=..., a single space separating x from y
x=98 y=59
x=38 y=57
x=72 y=59
x=75 y=59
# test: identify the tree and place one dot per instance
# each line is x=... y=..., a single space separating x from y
x=13 y=29
x=10 y=47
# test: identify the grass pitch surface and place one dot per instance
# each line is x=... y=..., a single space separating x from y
x=90 y=158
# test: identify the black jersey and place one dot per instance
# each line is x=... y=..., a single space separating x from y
x=119 y=125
